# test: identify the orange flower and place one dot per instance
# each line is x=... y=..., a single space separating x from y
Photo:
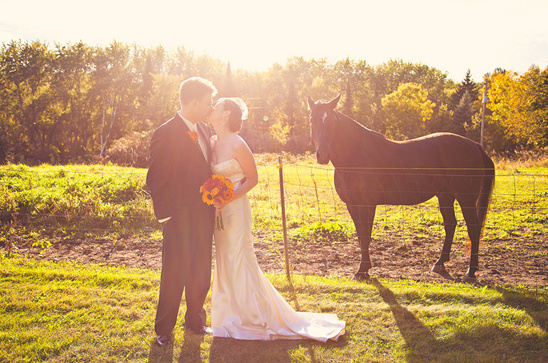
x=219 y=190
x=228 y=194
x=193 y=135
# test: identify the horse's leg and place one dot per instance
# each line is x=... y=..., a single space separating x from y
x=447 y=210
x=469 y=213
x=363 y=216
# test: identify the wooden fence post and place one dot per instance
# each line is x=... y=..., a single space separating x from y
x=284 y=225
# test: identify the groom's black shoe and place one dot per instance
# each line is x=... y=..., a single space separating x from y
x=162 y=340
x=203 y=330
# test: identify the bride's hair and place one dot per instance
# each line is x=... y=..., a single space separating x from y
x=238 y=112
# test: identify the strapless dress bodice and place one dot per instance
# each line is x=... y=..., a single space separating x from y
x=230 y=169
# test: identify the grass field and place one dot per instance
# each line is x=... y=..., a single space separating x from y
x=64 y=312
x=75 y=199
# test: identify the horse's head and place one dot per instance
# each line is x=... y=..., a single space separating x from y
x=322 y=127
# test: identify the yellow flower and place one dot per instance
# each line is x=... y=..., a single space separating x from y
x=208 y=198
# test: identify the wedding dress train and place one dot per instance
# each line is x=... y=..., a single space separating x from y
x=244 y=303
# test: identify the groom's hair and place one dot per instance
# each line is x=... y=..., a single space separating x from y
x=195 y=88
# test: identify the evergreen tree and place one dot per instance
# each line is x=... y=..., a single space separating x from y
x=462 y=117
x=228 y=89
x=467 y=85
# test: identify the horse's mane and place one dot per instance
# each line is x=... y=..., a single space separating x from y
x=357 y=128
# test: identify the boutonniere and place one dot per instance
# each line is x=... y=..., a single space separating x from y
x=194 y=136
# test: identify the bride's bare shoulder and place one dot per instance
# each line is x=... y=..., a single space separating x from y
x=240 y=143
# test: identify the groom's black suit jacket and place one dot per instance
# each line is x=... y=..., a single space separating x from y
x=176 y=172
x=177 y=167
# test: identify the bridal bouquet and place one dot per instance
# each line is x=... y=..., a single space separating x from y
x=217 y=190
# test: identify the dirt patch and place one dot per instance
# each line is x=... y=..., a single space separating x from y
x=502 y=262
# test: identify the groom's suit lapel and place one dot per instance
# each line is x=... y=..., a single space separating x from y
x=205 y=135
x=194 y=145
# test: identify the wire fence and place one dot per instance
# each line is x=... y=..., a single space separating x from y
x=105 y=200
x=519 y=206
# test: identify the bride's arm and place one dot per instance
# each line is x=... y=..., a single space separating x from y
x=243 y=154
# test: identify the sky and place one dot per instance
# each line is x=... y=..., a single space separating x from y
x=450 y=35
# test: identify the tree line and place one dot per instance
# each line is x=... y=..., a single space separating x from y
x=72 y=103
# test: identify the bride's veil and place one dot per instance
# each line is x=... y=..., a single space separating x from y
x=242 y=105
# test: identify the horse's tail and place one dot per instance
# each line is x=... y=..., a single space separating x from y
x=486 y=188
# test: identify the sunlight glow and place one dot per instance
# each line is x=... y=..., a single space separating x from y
x=451 y=35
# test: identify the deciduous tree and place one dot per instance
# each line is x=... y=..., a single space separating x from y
x=407 y=110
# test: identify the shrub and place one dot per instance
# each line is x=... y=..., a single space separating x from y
x=324 y=232
x=131 y=150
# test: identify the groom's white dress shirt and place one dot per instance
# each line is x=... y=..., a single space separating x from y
x=201 y=141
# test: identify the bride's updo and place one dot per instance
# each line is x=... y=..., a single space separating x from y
x=238 y=112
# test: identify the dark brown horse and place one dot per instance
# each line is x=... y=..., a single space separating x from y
x=371 y=170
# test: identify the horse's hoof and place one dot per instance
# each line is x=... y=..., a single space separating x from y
x=361 y=276
x=439 y=269
x=468 y=279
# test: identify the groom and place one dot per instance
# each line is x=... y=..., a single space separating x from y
x=179 y=165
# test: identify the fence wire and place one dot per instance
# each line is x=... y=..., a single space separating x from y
x=519 y=204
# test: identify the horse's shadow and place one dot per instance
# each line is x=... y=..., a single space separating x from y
x=418 y=337
x=504 y=344
x=534 y=307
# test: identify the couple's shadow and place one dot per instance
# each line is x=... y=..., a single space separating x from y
x=190 y=351
x=232 y=350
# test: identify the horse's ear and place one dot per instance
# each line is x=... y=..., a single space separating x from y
x=310 y=102
x=334 y=103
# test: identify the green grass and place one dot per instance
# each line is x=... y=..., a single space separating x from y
x=65 y=312
x=76 y=198
x=518 y=209
x=98 y=201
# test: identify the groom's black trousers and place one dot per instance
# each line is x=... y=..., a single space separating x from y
x=186 y=264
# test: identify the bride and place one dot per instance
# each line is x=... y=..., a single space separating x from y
x=244 y=304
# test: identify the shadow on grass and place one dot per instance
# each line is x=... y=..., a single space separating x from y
x=190 y=350
x=537 y=309
x=418 y=337
x=481 y=342
x=160 y=354
x=231 y=350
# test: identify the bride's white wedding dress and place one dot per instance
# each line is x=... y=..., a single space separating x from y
x=244 y=304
